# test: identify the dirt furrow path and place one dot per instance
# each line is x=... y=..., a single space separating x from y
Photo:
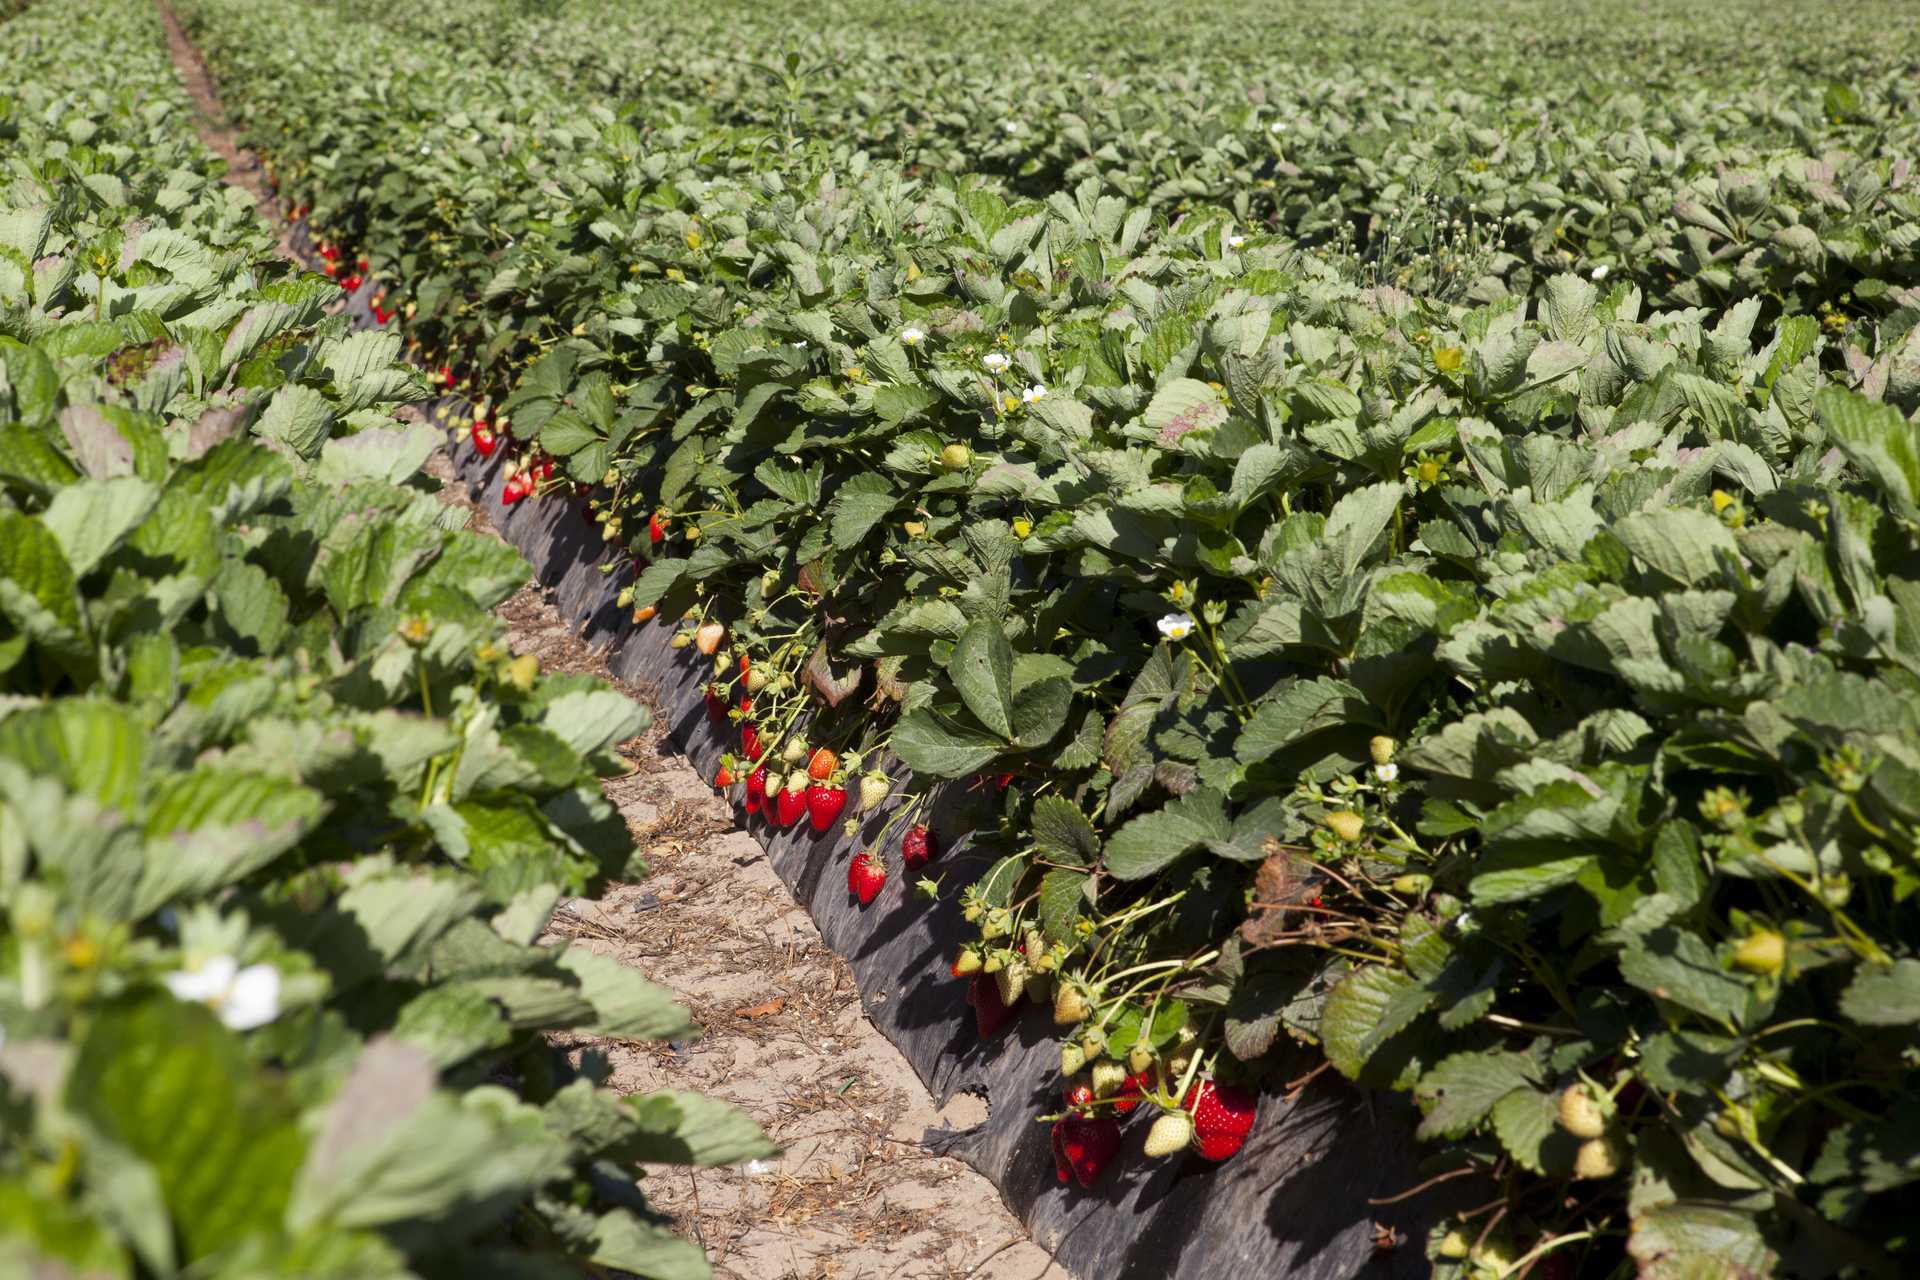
x=856 y=1193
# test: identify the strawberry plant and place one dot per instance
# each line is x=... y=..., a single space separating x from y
x=280 y=818
x=1406 y=559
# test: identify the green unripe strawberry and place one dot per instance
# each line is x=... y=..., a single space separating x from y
x=967 y=963
x=1346 y=825
x=1598 y=1158
x=1094 y=1041
x=1170 y=1135
x=1454 y=1245
x=1412 y=884
x=756 y=679
x=522 y=671
x=1381 y=748
x=1763 y=952
x=1581 y=1113
x=1072 y=1057
x=1139 y=1058
x=795 y=752
x=1012 y=979
x=1070 y=1006
x=956 y=457
x=1108 y=1077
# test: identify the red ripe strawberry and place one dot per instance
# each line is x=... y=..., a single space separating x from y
x=444 y=377
x=746 y=706
x=716 y=706
x=788 y=806
x=1079 y=1093
x=350 y=284
x=745 y=665
x=1222 y=1117
x=757 y=789
x=1083 y=1145
x=484 y=441
x=750 y=741
x=1003 y=780
x=990 y=1013
x=1131 y=1088
x=822 y=765
x=866 y=876
x=655 y=530
x=518 y=486
x=544 y=467
x=824 y=805
x=724 y=778
x=366 y=264
x=918 y=847
x=330 y=252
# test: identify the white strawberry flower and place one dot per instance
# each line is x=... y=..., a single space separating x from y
x=1278 y=126
x=1235 y=241
x=244 y=998
x=1600 y=272
x=1176 y=626
x=1033 y=393
x=1386 y=772
x=996 y=362
x=912 y=336
x=1011 y=126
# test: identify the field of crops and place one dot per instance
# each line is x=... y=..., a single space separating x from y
x=1404 y=518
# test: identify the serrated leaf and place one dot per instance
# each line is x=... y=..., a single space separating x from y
x=1155 y=840
x=1884 y=997
x=1460 y=1090
x=1062 y=894
x=982 y=673
x=1062 y=832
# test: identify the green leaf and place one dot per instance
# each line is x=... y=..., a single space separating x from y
x=1364 y=1002
x=1062 y=893
x=1527 y=1122
x=675 y=1127
x=91 y=518
x=1062 y=832
x=1692 y=1240
x=1154 y=840
x=1681 y=968
x=167 y=1082
x=1884 y=997
x=1878 y=441
x=1298 y=709
x=591 y=720
x=860 y=503
x=1180 y=406
x=982 y=672
x=1683 y=544
x=625 y=1005
x=931 y=744
x=38 y=592
x=625 y=1243
x=1460 y=1090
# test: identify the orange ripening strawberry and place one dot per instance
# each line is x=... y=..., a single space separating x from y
x=724 y=778
x=708 y=637
x=822 y=765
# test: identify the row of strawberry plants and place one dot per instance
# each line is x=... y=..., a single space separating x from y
x=1333 y=657
x=281 y=818
x=1756 y=180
